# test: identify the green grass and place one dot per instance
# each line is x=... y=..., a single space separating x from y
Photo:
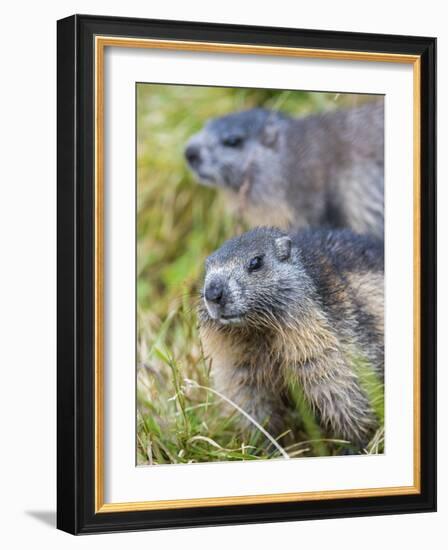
x=180 y=419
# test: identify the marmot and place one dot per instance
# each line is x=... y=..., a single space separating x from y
x=323 y=170
x=303 y=308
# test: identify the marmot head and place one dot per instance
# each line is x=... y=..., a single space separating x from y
x=223 y=152
x=256 y=280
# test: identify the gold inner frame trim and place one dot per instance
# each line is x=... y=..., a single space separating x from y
x=101 y=42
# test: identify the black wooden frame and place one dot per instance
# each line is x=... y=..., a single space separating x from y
x=75 y=174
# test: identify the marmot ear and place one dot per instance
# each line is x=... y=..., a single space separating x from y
x=269 y=135
x=283 y=248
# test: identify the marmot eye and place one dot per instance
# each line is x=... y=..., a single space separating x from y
x=232 y=140
x=255 y=263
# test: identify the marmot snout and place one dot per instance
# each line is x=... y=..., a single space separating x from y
x=304 y=307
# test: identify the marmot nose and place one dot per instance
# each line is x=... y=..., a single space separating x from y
x=193 y=155
x=214 y=292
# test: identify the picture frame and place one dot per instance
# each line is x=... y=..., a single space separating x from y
x=82 y=200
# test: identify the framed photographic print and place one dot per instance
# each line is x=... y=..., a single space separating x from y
x=246 y=274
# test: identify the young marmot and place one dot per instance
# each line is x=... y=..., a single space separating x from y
x=304 y=308
x=322 y=170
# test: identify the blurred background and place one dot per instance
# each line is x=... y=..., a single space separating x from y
x=179 y=222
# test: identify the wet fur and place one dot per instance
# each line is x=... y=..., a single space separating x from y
x=311 y=337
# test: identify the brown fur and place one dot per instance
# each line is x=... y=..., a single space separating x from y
x=314 y=343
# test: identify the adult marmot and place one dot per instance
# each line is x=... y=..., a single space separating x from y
x=321 y=170
x=304 y=308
